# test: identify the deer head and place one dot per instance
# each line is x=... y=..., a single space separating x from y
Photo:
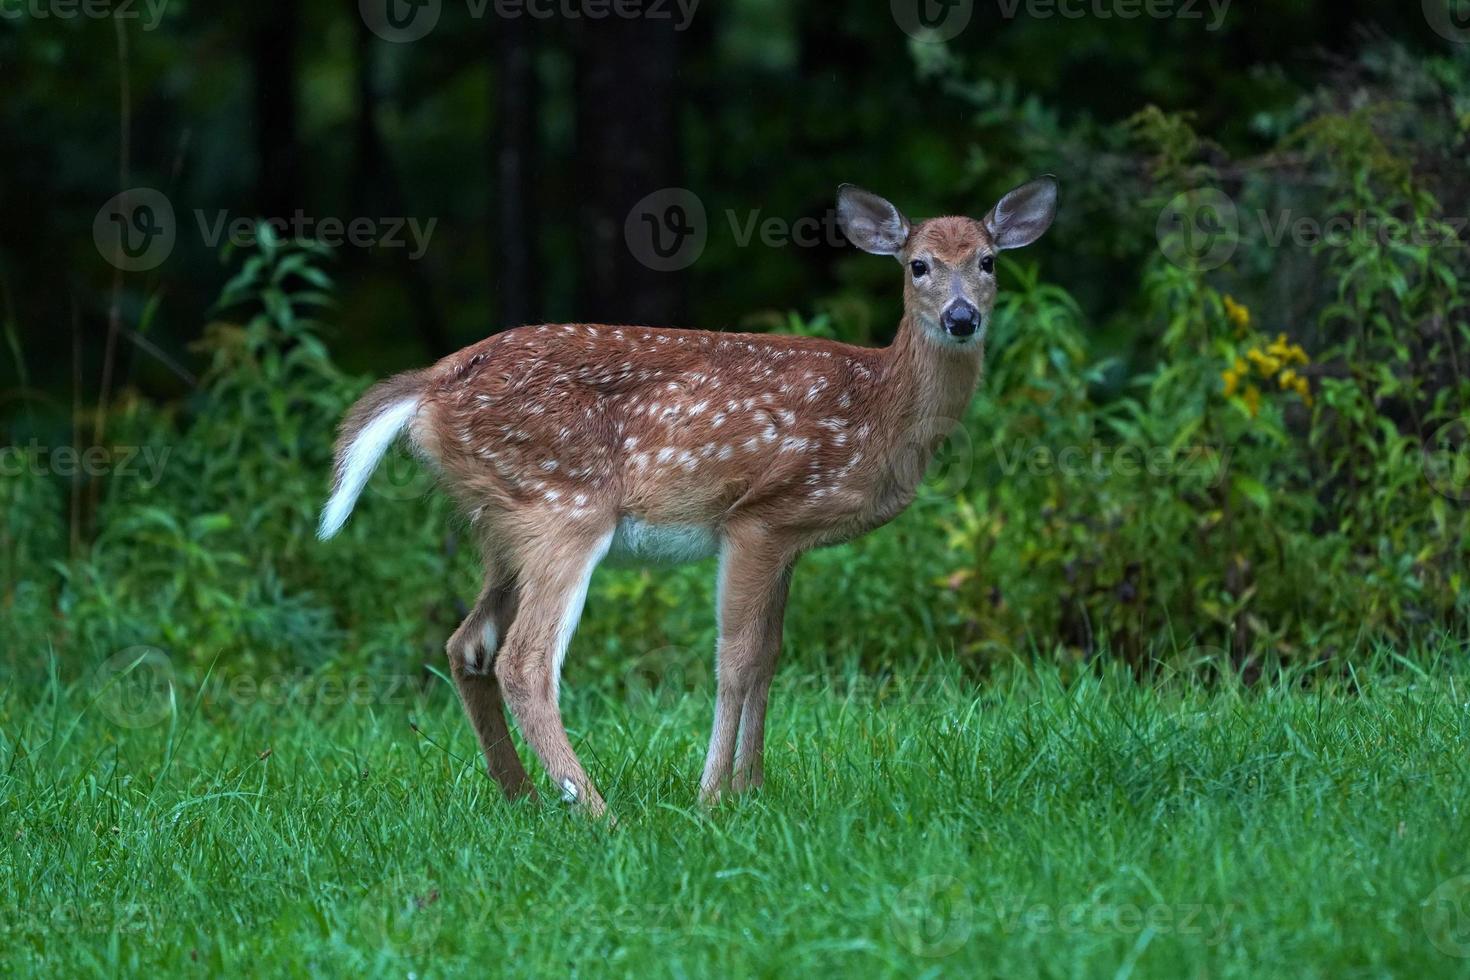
x=950 y=287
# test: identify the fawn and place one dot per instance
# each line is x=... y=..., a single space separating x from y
x=568 y=444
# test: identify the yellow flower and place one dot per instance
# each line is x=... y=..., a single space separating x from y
x=1253 y=400
x=1287 y=352
x=1232 y=381
x=1288 y=379
x=1238 y=315
x=1304 y=390
x=1268 y=364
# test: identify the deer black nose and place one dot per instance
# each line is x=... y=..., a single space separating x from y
x=960 y=320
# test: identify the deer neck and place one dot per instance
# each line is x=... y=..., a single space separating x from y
x=930 y=383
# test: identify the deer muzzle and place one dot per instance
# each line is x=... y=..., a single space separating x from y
x=960 y=319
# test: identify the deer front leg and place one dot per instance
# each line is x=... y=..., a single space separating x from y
x=472 y=651
x=754 y=581
x=553 y=590
x=749 y=767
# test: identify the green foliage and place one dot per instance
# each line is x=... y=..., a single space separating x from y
x=1237 y=496
x=1201 y=479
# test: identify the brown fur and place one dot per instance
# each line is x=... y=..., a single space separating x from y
x=795 y=443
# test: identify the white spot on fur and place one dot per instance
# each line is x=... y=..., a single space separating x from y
x=792 y=444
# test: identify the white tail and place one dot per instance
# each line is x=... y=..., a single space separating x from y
x=363 y=451
x=565 y=444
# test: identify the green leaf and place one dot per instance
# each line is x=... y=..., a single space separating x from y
x=1253 y=490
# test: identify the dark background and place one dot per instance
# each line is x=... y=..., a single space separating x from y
x=529 y=139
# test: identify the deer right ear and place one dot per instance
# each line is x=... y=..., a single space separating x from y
x=1023 y=215
x=870 y=222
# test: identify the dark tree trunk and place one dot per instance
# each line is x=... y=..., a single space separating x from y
x=369 y=158
x=376 y=192
x=515 y=242
x=627 y=148
x=274 y=33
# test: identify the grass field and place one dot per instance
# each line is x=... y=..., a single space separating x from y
x=1024 y=827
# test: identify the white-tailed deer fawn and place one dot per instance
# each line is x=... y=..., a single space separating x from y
x=569 y=444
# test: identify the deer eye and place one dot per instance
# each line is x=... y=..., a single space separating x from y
x=987 y=264
x=921 y=269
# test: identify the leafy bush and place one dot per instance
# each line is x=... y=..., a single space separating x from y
x=1305 y=506
x=1253 y=460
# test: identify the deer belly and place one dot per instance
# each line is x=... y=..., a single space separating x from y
x=639 y=542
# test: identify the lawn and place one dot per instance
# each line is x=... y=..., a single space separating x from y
x=1028 y=825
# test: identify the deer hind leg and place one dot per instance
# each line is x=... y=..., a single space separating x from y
x=755 y=576
x=553 y=590
x=472 y=650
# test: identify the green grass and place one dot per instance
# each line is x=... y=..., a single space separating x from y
x=1024 y=827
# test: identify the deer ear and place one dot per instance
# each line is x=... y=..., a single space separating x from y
x=870 y=222
x=1023 y=215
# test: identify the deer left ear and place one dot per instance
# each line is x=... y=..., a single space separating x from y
x=1023 y=215
x=869 y=222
